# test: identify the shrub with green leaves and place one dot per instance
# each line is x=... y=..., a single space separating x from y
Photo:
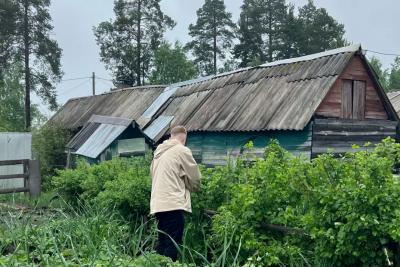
x=280 y=210
x=336 y=211
x=122 y=183
x=48 y=145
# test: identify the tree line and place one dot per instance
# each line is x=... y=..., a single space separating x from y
x=389 y=78
x=135 y=51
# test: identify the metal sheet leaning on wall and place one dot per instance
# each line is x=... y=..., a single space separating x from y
x=14 y=146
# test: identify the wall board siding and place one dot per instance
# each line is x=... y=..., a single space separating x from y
x=332 y=104
x=340 y=135
x=216 y=148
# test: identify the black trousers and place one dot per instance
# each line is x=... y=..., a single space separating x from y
x=170 y=226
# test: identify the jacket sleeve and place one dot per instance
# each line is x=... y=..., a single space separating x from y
x=191 y=170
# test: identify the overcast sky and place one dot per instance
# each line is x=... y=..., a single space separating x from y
x=374 y=24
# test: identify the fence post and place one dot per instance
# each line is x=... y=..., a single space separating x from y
x=35 y=180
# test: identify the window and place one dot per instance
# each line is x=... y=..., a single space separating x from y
x=131 y=147
x=353 y=99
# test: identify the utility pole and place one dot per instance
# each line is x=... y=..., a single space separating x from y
x=94 y=83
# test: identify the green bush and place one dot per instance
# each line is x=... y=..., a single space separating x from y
x=339 y=211
x=279 y=210
x=353 y=209
x=123 y=184
x=48 y=145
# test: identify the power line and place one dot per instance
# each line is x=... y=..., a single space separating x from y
x=381 y=53
x=73 y=88
x=74 y=79
x=100 y=78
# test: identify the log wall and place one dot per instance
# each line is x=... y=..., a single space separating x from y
x=340 y=135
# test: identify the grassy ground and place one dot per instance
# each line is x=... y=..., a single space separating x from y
x=48 y=232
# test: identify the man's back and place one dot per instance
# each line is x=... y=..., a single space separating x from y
x=175 y=174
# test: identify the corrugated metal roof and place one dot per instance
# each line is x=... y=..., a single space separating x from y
x=101 y=138
x=394 y=98
x=276 y=96
x=80 y=138
x=110 y=120
x=158 y=127
x=125 y=103
x=281 y=95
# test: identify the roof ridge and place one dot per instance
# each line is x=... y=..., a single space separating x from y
x=119 y=90
x=347 y=49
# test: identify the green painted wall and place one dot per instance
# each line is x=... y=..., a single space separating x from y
x=214 y=148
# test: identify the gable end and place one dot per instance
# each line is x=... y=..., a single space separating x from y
x=355 y=95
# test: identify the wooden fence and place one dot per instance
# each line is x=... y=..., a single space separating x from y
x=30 y=174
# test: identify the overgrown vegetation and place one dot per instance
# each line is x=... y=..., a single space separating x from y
x=122 y=183
x=48 y=145
x=279 y=210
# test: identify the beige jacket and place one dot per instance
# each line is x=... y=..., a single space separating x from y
x=174 y=175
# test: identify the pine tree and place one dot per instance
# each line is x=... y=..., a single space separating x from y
x=127 y=44
x=8 y=18
x=394 y=77
x=261 y=26
x=320 y=31
x=269 y=30
x=212 y=35
x=29 y=39
x=291 y=33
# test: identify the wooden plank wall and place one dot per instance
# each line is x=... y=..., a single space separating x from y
x=213 y=149
x=331 y=106
x=340 y=135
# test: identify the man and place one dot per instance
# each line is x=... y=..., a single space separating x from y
x=175 y=175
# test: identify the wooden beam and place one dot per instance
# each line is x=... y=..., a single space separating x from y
x=14 y=190
x=13 y=176
x=347 y=99
x=359 y=100
x=13 y=162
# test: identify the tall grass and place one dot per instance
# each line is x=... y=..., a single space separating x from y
x=93 y=236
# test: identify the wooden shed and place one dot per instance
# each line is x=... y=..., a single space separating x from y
x=310 y=104
x=103 y=138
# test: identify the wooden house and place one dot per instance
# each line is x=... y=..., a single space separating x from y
x=310 y=104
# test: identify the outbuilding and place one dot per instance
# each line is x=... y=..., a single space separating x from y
x=310 y=104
